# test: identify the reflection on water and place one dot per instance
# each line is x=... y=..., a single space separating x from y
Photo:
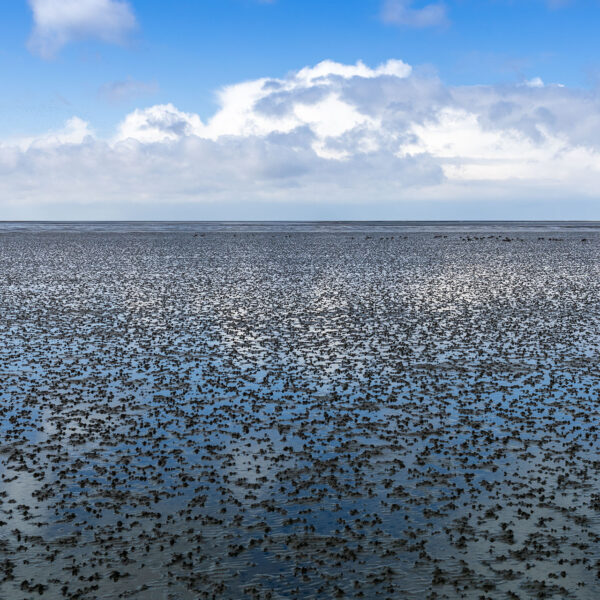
x=299 y=413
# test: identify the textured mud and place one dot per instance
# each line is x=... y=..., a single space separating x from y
x=299 y=415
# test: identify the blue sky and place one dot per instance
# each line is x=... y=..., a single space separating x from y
x=484 y=82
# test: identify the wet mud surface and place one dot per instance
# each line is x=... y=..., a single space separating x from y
x=299 y=415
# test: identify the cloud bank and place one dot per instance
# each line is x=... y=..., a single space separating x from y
x=58 y=22
x=346 y=136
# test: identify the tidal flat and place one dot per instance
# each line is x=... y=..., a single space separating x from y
x=293 y=412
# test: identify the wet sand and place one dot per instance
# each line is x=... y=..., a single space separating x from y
x=299 y=414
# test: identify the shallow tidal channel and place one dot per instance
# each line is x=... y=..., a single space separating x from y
x=284 y=413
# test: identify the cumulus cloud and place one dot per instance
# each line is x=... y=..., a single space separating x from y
x=75 y=131
x=403 y=12
x=536 y=82
x=312 y=97
x=159 y=123
x=58 y=22
x=332 y=133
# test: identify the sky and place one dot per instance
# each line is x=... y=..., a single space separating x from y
x=298 y=109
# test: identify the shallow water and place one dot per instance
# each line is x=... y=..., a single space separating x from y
x=299 y=410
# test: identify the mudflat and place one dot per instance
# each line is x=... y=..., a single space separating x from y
x=357 y=411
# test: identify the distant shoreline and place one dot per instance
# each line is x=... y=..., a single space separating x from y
x=181 y=227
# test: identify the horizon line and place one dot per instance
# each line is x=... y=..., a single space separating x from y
x=377 y=221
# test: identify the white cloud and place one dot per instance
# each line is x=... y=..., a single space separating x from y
x=402 y=12
x=311 y=97
x=328 y=68
x=58 y=22
x=536 y=82
x=75 y=131
x=349 y=135
x=472 y=153
x=160 y=123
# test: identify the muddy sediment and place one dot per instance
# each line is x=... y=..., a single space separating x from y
x=299 y=415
